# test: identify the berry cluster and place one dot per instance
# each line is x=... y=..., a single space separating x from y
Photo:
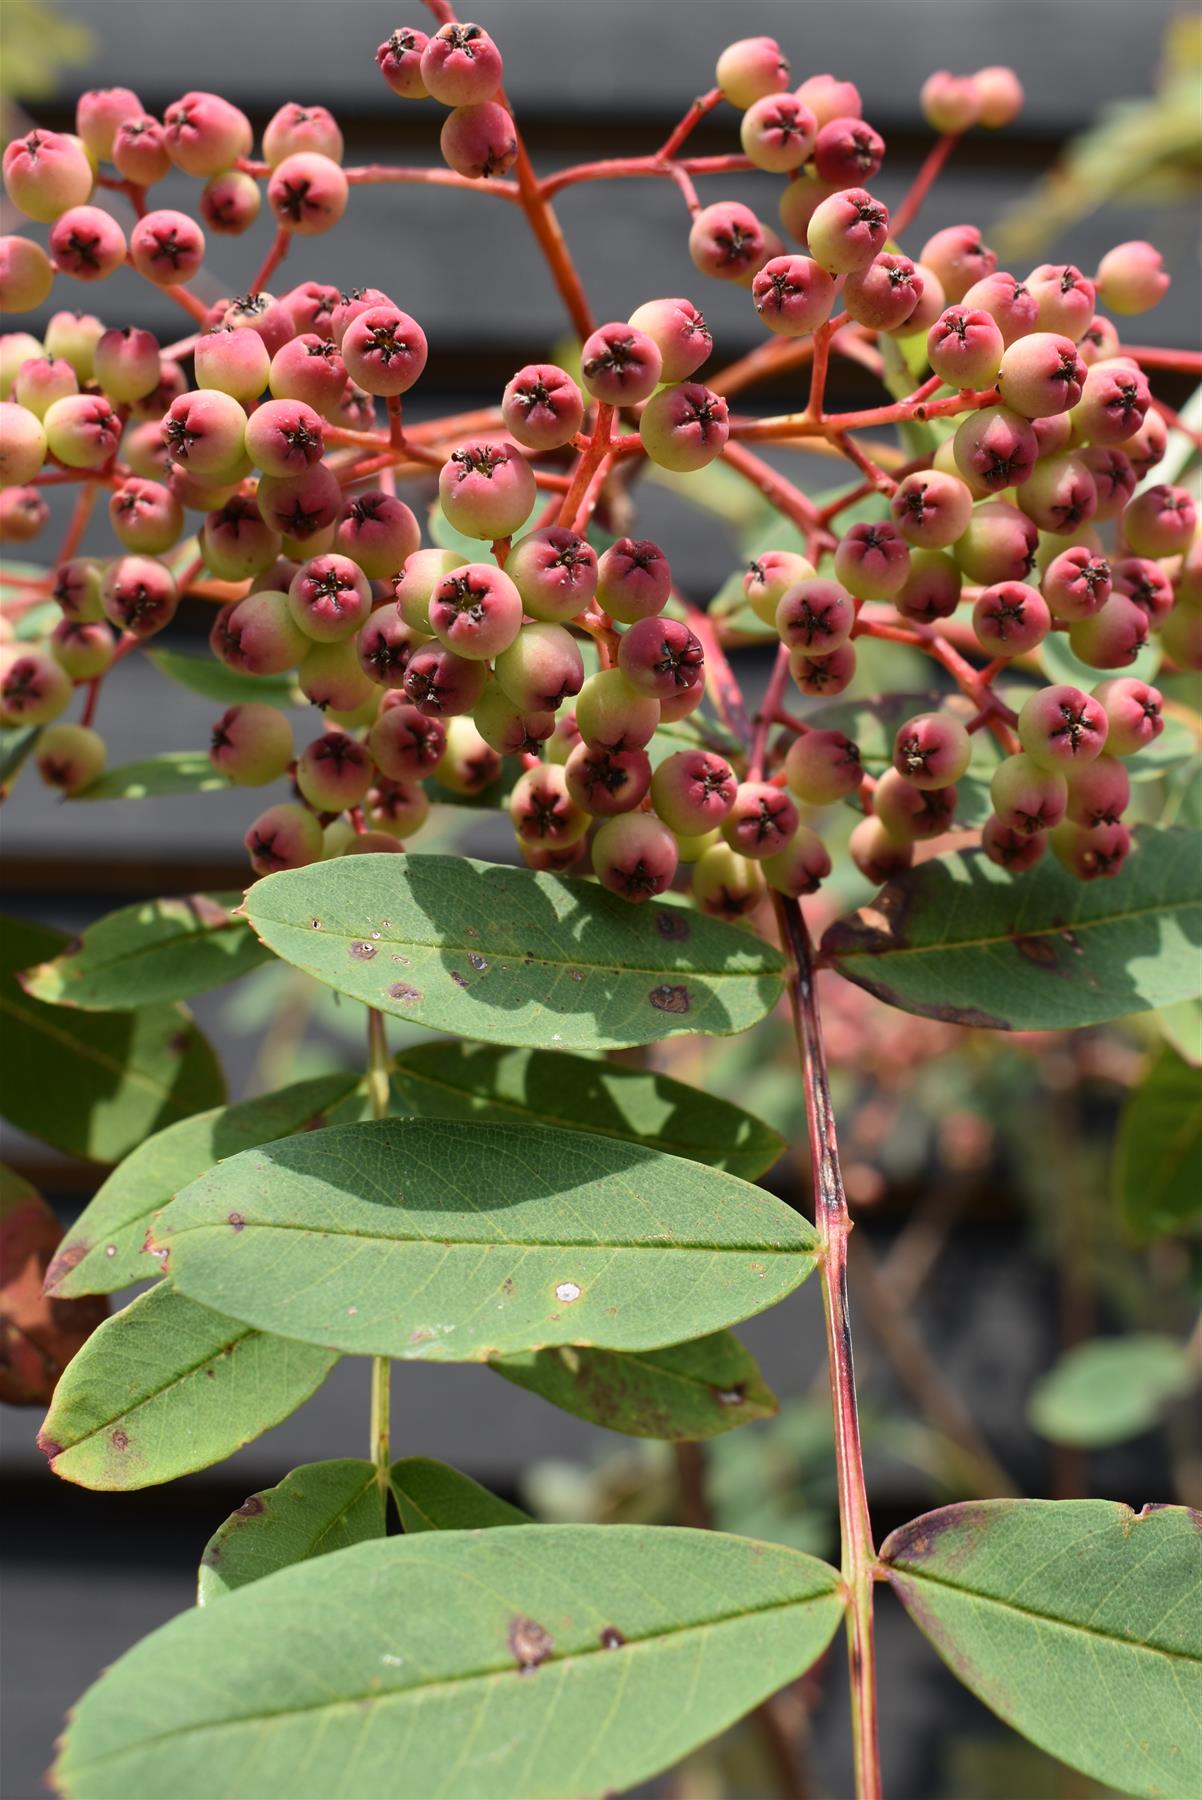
x=547 y=662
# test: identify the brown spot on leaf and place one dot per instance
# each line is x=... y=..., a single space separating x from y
x=530 y=1642
x=119 y=1439
x=48 y=1446
x=1038 y=950
x=250 y=1508
x=459 y=978
x=672 y=925
x=65 y=1258
x=361 y=951
x=178 y=1043
x=670 y=999
x=477 y=961
x=507 y=1285
x=401 y=990
x=610 y=1638
x=237 y=1221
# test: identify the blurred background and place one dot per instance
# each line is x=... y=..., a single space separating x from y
x=1013 y=1334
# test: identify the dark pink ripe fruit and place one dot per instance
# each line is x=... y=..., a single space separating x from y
x=693 y=791
x=486 y=490
x=399 y=808
x=126 y=364
x=205 y=134
x=750 y=68
x=23 y=514
x=1091 y=853
x=441 y=684
x=1160 y=521
x=233 y=358
x=607 y=782
x=822 y=767
x=998 y=544
x=912 y=814
x=311 y=306
x=1149 y=444
x=1113 y=403
x=778 y=132
x=684 y=427
x=554 y=571
x=230 y=202
x=1076 y=583
x=205 y=432
x=931 y=509
x=761 y=821
x=679 y=332
x=309 y=368
x=384 y=647
x=399 y=59
x=251 y=744
x=87 y=242
x=405 y=744
x=1100 y=793
x=801 y=867
x=476 y=611
x=99 y=112
x=727 y=241
x=931 y=302
x=263 y=634
x=295 y=128
x=959 y=257
x=541 y=669
x=830 y=98
x=635 y=856
x=1131 y=278
x=847 y=230
x=307 y=194
x=1113 y=478
x=847 y=152
x=633 y=580
x=542 y=407
x=1010 y=849
x=792 y=295
x=1133 y=713
x=1061 y=728
x=166 y=247
x=1010 y=619
x=995 y=448
x=225 y=640
x=460 y=65
x=352 y=305
x=81 y=430
x=235 y=541
x=284 y=437
x=300 y=507
x=612 y=715
x=876 y=855
x=145 y=516
x=950 y=103
x=872 y=560
x=334 y=772
x=329 y=598
x=620 y=364
x=661 y=657
x=823 y=676
x=283 y=837
x=34 y=688
x=543 y=810
x=377 y=531
x=1112 y=637
x=932 y=588
x=1028 y=799
x=964 y=348
x=1007 y=300
x=384 y=350
x=45 y=173
x=139 y=595
x=479 y=142
x=1064 y=297
x=885 y=294
x=140 y=151
x=1041 y=374
x=1059 y=495
x=815 y=616
x=932 y=750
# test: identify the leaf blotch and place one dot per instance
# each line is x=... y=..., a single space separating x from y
x=66 y=1258
x=119 y=1439
x=530 y=1643
x=610 y=1638
x=361 y=951
x=237 y=1221
x=400 y=990
x=732 y=1396
x=250 y=1508
x=1040 y=951
x=670 y=999
x=673 y=926
x=459 y=978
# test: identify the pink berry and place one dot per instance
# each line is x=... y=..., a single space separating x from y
x=684 y=427
x=139 y=595
x=1160 y=521
x=607 y=782
x=822 y=767
x=283 y=837
x=508 y=729
x=82 y=431
x=998 y=544
x=140 y=151
x=930 y=509
x=460 y=65
x=1059 y=495
x=1133 y=712
x=350 y=306
x=1113 y=478
x=233 y=359
x=964 y=348
x=309 y=368
x=268 y=638
x=1131 y=277
x=440 y=683
x=830 y=98
x=541 y=668
x=23 y=514
x=126 y=364
x=230 y=202
x=166 y=247
x=1091 y=852
x=543 y=810
x=693 y=791
x=876 y=855
x=847 y=152
x=307 y=194
x=815 y=616
x=1099 y=341
x=750 y=68
x=542 y=407
x=912 y=814
x=995 y=448
x=661 y=657
x=1061 y=728
x=334 y=772
x=769 y=576
x=1010 y=619
x=554 y=571
x=405 y=744
x=1114 y=402
x=932 y=750
x=801 y=867
x=793 y=295
x=301 y=507
x=1113 y=636
x=847 y=231
x=399 y=808
x=1001 y=95
x=384 y=647
x=932 y=588
x=727 y=241
x=384 y=350
x=399 y=58
x=479 y=142
x=884 y=296
x=235 y=541
x=1041 y=374
x=1013 y=850
x=1100 y=793
x=476 y=611
x=610 y=714
x=635 y=856
x=959 y=257
x=377 y=531
x=1064 y=297
x=22 y=443
x=1148 y=445
x=777 y=132
x=301 y=128
x=145 y=516
x=1007 y=300
x=823 y=676
x=1027 y=798
x=311 y=307
x=205 y=432
x=620 y=364
x=761 y=821
x=205 y=134
x=872 y=560
x=45 y=173
x=679 y=332
x=633 y=580
x=1076 y=583
x=87 y=242
x=98 y=114
x=329 y=598
x=468 y=765
x=486 y=490
x=284 y=437
x=950 y=103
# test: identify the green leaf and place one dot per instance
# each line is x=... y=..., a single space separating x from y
x=523 y=1662
x=94 y=1084
x=174 y=772
x=1109 y=1390
x=1181 y=1025
x=683 y=1393
x=318 y=1508
x=104 y=1249
x=576 y=1093
x=431 y=1496
x=154 y=950
x=484 y=951
x=206 y=676
x=16 y=742
x=959 y=939
x=165 y=1387
x=1077 y=1621
x=419 y=1238
x=1158 y=1165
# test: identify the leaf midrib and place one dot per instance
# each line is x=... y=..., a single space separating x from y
x=156 y=1393
x=440 y=1242
x=1029 y=1612
x=432 y=1688
x=942 y=945
x=115 y=960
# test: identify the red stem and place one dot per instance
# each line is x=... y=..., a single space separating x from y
x=591 y=461
x=923 y=182
x=784 y=496
x=373 y=174
x=768 y=711
x=272 y=261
